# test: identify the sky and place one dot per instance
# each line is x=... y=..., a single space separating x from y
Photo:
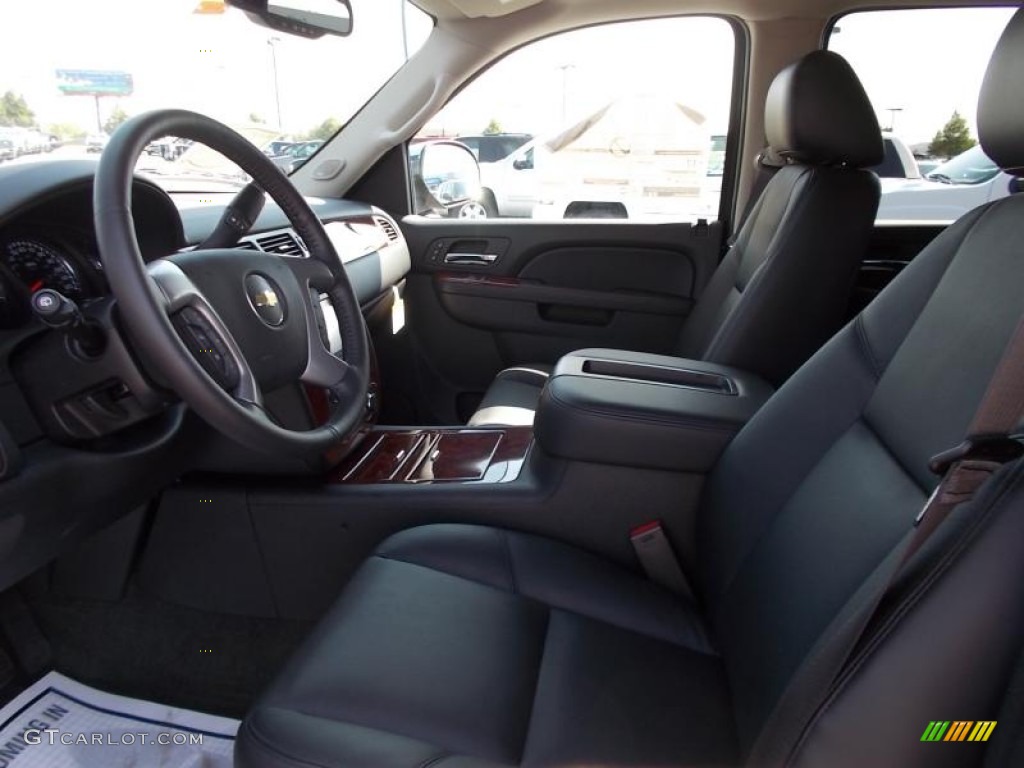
x=553 y=83
x=221 y=65
x=924 y=62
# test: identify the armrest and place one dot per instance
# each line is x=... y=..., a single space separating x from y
x=633 y=409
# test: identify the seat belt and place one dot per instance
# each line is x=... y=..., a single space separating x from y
x=1007 y=747
x=990 y=443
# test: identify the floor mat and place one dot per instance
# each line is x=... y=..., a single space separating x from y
x=149 y=649
x=60 y=723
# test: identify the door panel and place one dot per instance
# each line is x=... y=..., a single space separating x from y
x=486 y=295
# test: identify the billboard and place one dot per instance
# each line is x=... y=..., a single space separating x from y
x=94 y=82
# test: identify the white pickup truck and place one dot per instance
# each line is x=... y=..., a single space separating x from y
x=639 y=157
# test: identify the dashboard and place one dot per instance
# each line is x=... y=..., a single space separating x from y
x=48 y=241
x=104 y=426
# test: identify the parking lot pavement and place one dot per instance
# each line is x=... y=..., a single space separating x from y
x=60 y=153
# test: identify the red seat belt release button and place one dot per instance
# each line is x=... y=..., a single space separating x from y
x=659 y=562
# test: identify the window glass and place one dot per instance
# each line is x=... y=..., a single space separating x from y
x=922 y=69
x=71 y=72
x=622 y=121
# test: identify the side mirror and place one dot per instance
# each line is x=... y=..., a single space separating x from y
x=524 y=163
x=445 y=174
x=1016 y=185
x=306 y=18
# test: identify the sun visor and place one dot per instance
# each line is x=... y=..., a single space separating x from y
x=491 y=8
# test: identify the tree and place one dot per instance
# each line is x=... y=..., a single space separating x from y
x=67 y=131
x=14 y=111
x=492 y=128
x=117 y=117
x=954 y=138
x=324 y=131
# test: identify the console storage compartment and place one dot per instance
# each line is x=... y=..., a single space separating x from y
x=632 y=409
x=455 y=455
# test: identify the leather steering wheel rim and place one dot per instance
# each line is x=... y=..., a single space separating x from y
x=146 y=296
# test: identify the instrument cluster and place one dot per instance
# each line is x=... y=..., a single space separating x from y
x=30 y=261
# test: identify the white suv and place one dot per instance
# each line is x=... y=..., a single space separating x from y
x=946 y=193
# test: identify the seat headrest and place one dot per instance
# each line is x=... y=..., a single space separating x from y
x=818 y=113
x=1001 y=102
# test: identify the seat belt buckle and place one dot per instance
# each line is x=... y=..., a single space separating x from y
x=654 y=551
x=999 y=449
x=959 y=477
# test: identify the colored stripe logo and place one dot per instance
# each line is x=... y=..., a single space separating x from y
x=958 y=730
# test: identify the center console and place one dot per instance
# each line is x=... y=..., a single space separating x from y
x=421 y=456
x=620 y=439
x=631 y=409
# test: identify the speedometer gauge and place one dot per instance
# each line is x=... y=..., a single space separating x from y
x=40 y=265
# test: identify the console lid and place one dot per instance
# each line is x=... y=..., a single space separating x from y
x=633 y=409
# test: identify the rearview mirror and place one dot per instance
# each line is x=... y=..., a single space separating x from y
x=307 y=18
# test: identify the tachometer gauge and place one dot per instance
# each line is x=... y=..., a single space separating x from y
x=40 y=265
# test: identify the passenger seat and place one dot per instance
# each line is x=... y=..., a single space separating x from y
x=783 y=287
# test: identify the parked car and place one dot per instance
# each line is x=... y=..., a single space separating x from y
x=509 y=186
x=296 y=155
x=899 y=161
x=492 y=147
x=541 y=179
x=947 y=192
x=11 y=143
x=169 y=148
x=277 y=148
x=25 y=141
x=96 y=142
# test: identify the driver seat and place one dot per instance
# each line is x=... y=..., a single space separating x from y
x=469 y=647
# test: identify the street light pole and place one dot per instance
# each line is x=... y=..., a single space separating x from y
x=272 y=42
x=893 y=111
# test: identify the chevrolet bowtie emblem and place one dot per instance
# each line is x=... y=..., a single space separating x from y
x=264 y=299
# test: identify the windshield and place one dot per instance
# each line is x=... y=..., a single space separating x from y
x=72 y=71
x=970 y=167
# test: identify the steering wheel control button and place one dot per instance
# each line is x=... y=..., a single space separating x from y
x=207 y=347
x=265 y=299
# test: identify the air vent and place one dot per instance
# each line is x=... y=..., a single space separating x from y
x=387 y=227
x=283 y=242
x=246 y=245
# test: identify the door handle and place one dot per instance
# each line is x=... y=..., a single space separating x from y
x=471 y=259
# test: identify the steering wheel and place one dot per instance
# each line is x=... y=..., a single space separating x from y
x=222 y=326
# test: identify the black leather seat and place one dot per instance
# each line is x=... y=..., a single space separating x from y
x=460 y=646
x=782 y=289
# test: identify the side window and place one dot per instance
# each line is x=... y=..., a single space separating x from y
x=622 y=121
x=922 y=69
